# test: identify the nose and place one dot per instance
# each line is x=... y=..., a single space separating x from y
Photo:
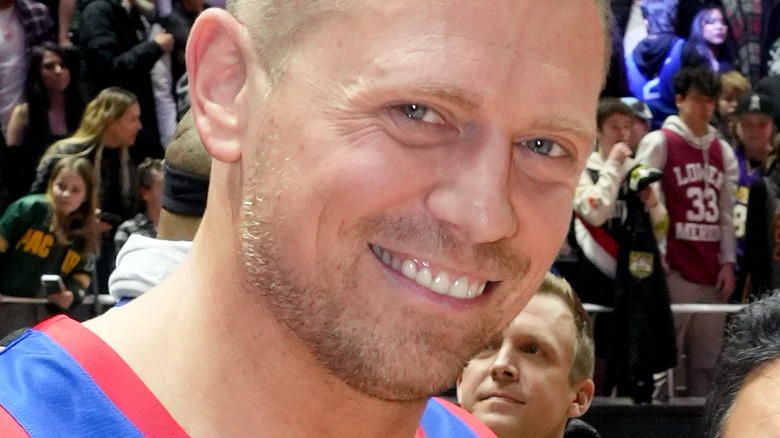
x=503 y=369
x=473 y=196
x=625 y=134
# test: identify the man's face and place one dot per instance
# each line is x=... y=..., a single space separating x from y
x=520 y=386
x=639 y=128
x=410 y=181
x=695 y=107
x=153 y=195
x=727 y=104
x=755 y=411
x=755 y=134
x=615 y=129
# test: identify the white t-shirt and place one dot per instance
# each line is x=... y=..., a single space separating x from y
x=13 y=64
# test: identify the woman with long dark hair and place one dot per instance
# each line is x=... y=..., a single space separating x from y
x=52 y=111
x=709 y=42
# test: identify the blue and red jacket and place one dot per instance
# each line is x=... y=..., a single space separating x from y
x=60 y=379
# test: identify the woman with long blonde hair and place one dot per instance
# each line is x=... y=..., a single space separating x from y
x=106 y=132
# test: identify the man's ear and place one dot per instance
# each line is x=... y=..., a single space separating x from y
x=678 y=98
x=220 y=61
x=583 y=392
x=458 y=391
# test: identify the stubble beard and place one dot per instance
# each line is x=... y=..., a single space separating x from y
x=391 y=355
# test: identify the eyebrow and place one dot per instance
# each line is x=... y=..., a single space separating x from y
x=562 y=124
x=454 y=95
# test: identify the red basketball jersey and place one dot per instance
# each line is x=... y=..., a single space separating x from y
x=692 y=183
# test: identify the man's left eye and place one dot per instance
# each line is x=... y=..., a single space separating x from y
x=421 y=113
x=544 y=146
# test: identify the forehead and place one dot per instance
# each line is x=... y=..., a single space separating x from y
x=756 y=410
x=69 y=176
x=696 y=96
x=545 y=316
x=618 y=118
x=536 y=63
x=48 y=55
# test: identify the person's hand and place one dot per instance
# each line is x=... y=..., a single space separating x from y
x=101 y=226
x=649 y=198
x=64 y=41
x=725 y=282
x=62 y=299
x=620 y=151
x=165 y=40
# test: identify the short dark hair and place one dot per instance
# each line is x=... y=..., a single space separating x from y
x=660 y=15
x=700 y=78
x=609 y=106
x=752 y=341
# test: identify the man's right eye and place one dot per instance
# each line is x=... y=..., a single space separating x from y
x=421 y=113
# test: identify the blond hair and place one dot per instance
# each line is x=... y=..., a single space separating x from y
x=106 y=108
x=278 y=25
x=584 y=347
x=733 y=81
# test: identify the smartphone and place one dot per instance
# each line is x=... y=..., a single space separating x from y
x=52 y=284
x=110 y=218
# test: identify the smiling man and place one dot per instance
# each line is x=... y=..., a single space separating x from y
x=530 y=381
x=391 y=182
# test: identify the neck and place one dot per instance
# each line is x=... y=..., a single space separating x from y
x=697 y=128
x=154 y=215
x=56 y=98
x=256 y=376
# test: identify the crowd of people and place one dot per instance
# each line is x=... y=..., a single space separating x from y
x=103 y=90
x=696 y=81
x=105 y=173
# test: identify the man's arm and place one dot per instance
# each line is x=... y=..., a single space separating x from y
x=64 y=19
x=652 y=150
x=728 y=241
x=594 y=202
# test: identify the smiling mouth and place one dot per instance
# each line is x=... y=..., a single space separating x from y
x=439 y=281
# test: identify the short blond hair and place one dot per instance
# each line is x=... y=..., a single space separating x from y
x=584 y=346
x=733 y=81
x=278 y=25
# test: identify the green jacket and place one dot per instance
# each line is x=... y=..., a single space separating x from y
x=28 y=249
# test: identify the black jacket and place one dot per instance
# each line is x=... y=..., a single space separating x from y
x=116 y=53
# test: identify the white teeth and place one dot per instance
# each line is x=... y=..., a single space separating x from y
x=408 y=269
x=473 y=289
x=441 y=284
x=424 y=277
x=460 y=288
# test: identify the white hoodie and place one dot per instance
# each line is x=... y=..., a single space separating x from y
x=143 y=263
x=652 y=152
